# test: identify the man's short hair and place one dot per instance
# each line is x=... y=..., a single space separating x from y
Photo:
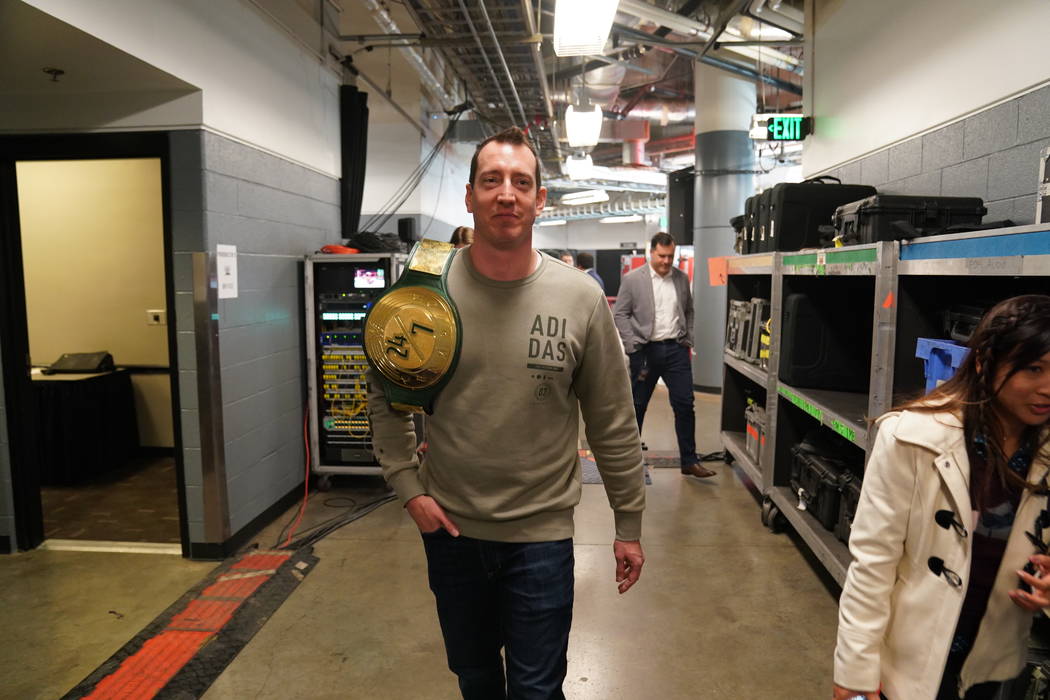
x=585 y=260
x=513 y=136
x=661 y=238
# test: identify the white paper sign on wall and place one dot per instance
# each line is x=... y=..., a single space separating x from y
x=226 y=264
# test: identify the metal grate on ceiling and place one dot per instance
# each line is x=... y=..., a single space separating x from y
x=494 y=49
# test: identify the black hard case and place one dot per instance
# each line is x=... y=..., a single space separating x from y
x=816 y=480
x=797 y=210
x=750 y=224
x=815 y=357
x=894 y=217
x=847 y=507
x=759 y=316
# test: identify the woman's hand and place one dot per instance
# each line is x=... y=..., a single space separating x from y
x=1039 y=598
x=845 y=694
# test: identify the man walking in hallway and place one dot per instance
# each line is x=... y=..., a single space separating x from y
x=495 y=493
x=585 y=262
x=654 y=315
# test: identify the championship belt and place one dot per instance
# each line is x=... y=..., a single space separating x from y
x=412 y=335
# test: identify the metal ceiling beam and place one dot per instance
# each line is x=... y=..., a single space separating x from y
x=728 y=12
x=645 y=37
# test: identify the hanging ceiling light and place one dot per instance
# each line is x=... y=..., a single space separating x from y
x=585 y=197
x=583 y=128
x=579 y=168
x=629 y=219
x=581 y=27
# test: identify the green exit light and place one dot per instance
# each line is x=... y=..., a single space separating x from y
x=787 y=128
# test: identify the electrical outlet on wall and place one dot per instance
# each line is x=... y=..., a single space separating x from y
x=156 y=317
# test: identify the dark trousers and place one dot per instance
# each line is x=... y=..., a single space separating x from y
x=669 y=360
x=511 y=595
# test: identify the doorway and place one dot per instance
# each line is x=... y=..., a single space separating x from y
x=95 y=450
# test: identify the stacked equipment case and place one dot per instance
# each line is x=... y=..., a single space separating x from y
x=930 y=287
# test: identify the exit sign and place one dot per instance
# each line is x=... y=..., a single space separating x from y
x=787 y=127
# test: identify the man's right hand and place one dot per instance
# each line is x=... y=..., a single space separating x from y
x=841 y=693
x=429 y=516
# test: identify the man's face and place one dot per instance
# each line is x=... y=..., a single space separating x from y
x=503 y=197
x=661 y=257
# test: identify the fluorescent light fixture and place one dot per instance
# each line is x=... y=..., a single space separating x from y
x=585 y=197
x=583 y=128
x=581 y=27
x=579 y=168
x=629 y=219
x=553 y=222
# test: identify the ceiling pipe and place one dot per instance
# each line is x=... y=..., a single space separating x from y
x=744 y=71
x=664 y=111
x=386 y=23
x=484 y=56
x=503 y=60
x=687 y=26
x=537 y=57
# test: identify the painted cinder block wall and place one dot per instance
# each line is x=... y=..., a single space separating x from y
x=992 y=154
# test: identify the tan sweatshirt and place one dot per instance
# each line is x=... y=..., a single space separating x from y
x=502 y=442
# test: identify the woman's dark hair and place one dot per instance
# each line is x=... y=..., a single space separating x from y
x=1012 y=335
x=462 y=236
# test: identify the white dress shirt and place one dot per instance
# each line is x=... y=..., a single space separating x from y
x=666 y=319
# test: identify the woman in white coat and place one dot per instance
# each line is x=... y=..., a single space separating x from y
x=938 y=601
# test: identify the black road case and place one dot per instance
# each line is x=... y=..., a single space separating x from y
x=816 y=480
x=847 y=507
x=823 y=347
x=893 y=217
x=797 y=210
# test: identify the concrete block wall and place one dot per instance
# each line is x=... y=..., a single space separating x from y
x=275 y=212
x=993 y=154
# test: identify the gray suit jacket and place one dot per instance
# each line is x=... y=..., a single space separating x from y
x=635 y=309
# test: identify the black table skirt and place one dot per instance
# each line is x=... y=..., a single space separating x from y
x=85 y=426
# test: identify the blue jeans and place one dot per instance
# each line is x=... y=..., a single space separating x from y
x=669 y=360
x=511 y=595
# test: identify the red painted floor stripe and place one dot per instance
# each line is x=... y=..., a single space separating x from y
x=261 y=561
x=235 y=588
x=205 y=615
x=141 y=676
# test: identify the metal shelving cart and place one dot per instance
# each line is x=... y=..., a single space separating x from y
x=905 y=286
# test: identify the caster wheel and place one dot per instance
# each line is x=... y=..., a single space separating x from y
x=728 y=458
x=772 y=518
x=324 y=483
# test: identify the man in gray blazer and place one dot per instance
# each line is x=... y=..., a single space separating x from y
x=654 y=315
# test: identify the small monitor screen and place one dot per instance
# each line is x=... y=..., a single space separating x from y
x=369 y=278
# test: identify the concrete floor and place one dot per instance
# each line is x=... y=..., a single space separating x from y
x=724 y=609
x=65 y=613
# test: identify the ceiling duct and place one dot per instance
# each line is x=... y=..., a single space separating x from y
x=664 y=111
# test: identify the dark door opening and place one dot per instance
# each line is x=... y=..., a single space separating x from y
x=86 y=252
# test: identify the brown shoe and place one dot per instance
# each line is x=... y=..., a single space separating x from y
x=697 y=471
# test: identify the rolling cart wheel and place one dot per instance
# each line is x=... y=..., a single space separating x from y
x=772 y=518
x=324 y=483
x=728 y=457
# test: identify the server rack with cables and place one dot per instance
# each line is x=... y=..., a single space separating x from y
x=339 y=291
